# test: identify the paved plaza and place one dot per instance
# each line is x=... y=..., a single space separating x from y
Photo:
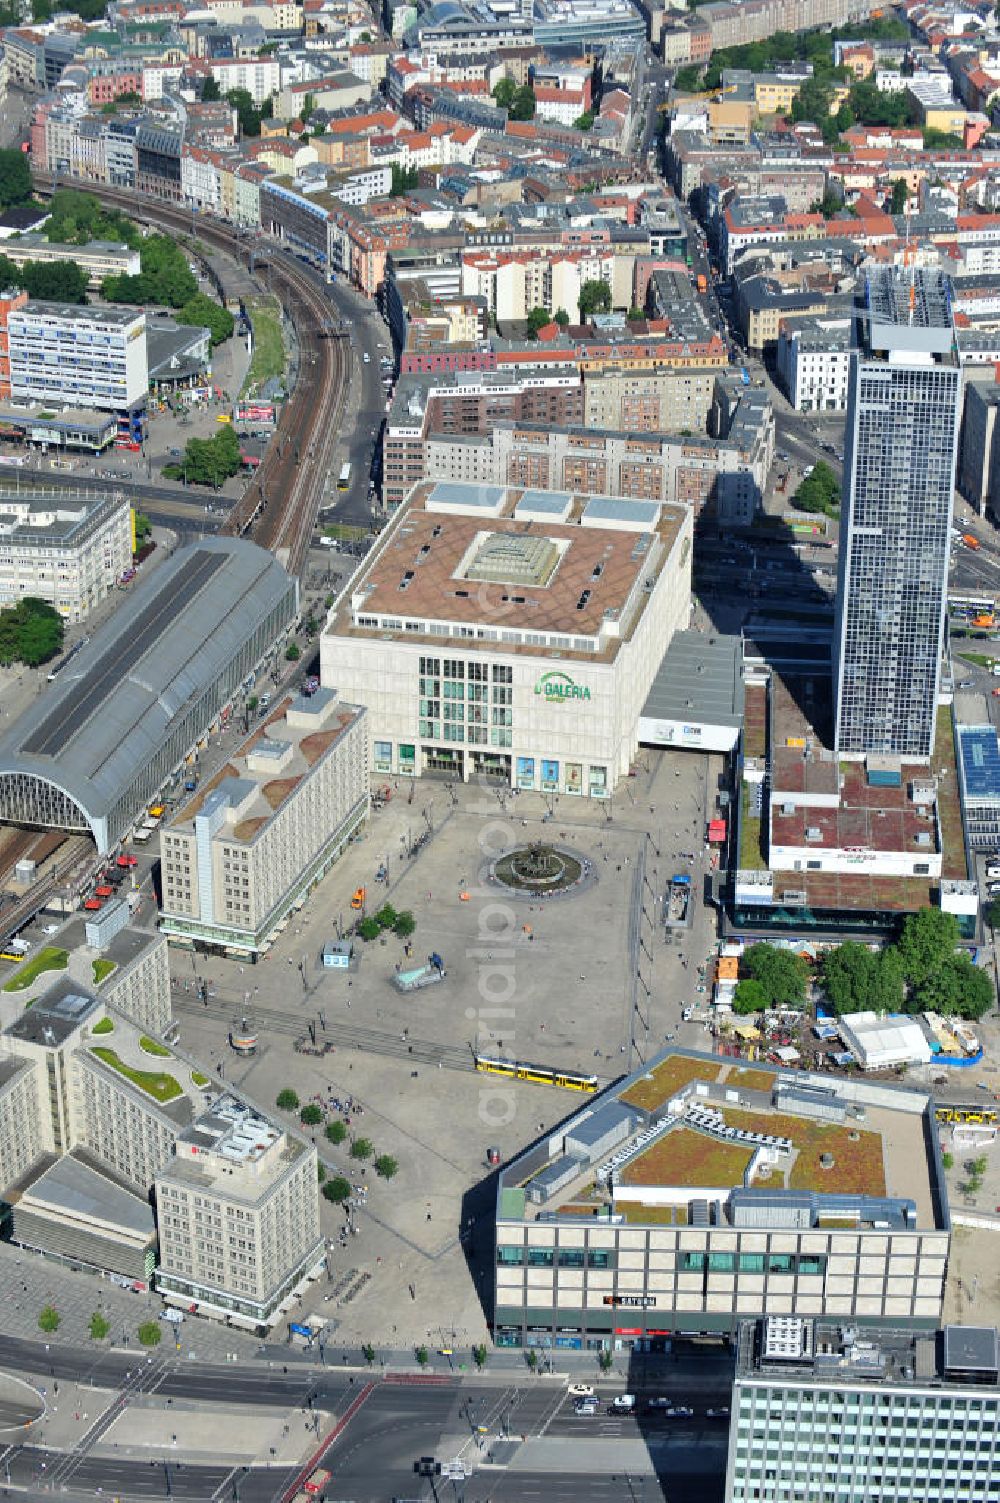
x=551 y=981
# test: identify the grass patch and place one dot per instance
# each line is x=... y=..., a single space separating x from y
x=344 y=532
x=104 y=1026
x=858 y=1167
x=150 y=1046
x=686 y=1157
x=198 y=1079
x=49 y=959
x=632 y=1213
x=751 y=1080
x=979 y=658
x=160 y=1086
x=102 y=970
x=751 y=829
x=660 y=1084
x=268 y=357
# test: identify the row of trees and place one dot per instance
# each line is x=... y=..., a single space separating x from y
x=402 y=923
x=922 y=972
x=311 y=1114
x=31 y=632
x=49 y=1320
x=55 y=281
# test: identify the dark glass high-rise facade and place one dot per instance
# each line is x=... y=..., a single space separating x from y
x=902 y=431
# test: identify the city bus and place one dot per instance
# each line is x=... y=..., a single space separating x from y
x=345 y=477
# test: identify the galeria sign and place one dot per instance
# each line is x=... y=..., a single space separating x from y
x=560 y=686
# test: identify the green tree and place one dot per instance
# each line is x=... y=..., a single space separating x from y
x=48 y=1320
x=479 y=1355
x=292 y=652
x=362 y=1148
x=150 y=1333
x=320 y=1172
x=247 y=115
x=403 y=178
x=927 y=941
x=781 y=973
x=947 y=1161
x=55 y=281
x=337 y=1189
x=584 y=121
x=210 y=91
x=143 y=529
x=15 y=178
x=605 y=1360
x=856 y=978
x=941 y=140
x=537 y=319
x=687 y=80
x=560 y=317
x=955 y=987
x=204 y=312
x=819 y=492
x=208 y=461
x=422 y=1355
x=99 y=1327
x=311 y=1115
x=992 y=913
x=336 y=1131
x=287 y=1100
x=595 y=297
x=523 y=104
x=31 y=632
x=369 y=928
x=386 y=916
x=368 y=1352
x=532 y=1358
x=749 y=997
x=504 y=92
x=899 y=197
x=635 y=313
x=812 y=102
x=386 y=1166
x=405 y=924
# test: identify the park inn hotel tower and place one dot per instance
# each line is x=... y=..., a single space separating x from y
x=903 y=411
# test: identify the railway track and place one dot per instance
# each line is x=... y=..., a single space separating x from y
x=279 y=507
x=340 y=1035
x=15 y=915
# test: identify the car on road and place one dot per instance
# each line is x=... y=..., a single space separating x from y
x=366 y=358
x=679 y=1411
x=720 y=1412
x=622 y=1403
x=586 y=1407
x=659 y=1402
x=581 y=1391
x=175 y=453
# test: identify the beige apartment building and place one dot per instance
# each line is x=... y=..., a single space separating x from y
x=267 y=827
x=94 y=1113
x=239 y=1215
x=67 y=549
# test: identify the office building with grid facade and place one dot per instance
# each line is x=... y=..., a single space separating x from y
x=825 y=1412
x=902 y=432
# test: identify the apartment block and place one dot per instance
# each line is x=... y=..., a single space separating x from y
x=78 y=357
x=266 y=829
x=238 y=1215
x=67 y=549
x=834 y=1413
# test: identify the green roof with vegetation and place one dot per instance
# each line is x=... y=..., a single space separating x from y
x=49 y=959
x=160 y=1086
